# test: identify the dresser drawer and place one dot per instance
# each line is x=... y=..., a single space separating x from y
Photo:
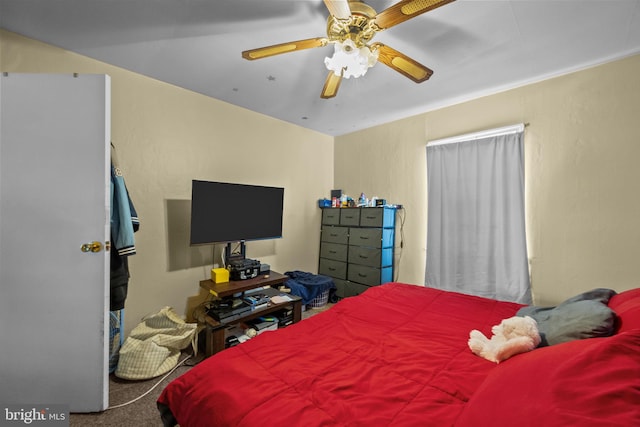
x=371 y=217
x=371 y=237
x=350 y=216
x=333 y=251
x=345 y=288
x=342 y=288
x=377 y=217
x=335 y=234
x=365 y=256
x=363 y=274
x=373 y=257
x=369 y=275
x=331 y=216
x=355 y=288
x=332 y=268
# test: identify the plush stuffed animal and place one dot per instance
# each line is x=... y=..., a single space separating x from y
x=512 y=336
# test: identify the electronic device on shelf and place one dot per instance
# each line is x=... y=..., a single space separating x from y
x=228 y=309
x=225 y=212
x=242 y=269
x=257 y=300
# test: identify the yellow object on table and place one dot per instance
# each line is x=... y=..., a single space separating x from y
x=219 y=275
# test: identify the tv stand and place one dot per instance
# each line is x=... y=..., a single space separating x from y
x=214 y=331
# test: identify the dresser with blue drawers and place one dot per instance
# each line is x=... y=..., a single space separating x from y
x=357 y=247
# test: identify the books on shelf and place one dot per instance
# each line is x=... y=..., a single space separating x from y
x=279 y=299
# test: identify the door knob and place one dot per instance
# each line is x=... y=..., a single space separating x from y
x=91 y=247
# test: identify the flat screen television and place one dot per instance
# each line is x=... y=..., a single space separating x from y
x=224 y=212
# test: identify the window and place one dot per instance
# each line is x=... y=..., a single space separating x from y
x=476 y=241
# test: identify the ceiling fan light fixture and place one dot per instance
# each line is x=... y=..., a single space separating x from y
x=350 y=61
x=351 y=25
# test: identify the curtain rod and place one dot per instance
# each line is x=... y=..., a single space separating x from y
x=479 y=135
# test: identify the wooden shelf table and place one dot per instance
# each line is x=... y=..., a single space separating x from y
x=214 y=332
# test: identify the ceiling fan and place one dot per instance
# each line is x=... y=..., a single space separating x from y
x=350 y=27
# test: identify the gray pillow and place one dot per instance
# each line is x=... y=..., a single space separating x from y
x=584 y=316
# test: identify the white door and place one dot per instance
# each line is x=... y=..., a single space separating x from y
x=54 y=197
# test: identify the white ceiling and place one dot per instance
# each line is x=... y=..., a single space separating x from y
x=475 y=47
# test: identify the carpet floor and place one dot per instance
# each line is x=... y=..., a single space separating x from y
x=133 y=403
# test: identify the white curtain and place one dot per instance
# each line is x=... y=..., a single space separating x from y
x=476 y=241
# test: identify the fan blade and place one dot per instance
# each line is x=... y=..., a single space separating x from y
x=338 y=8
x=331 y=86
x=402 y=63
x=277 y=49
x=405 y=10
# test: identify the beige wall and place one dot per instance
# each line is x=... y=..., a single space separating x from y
x=582 y=176
x=166 y=136
x=581 y=173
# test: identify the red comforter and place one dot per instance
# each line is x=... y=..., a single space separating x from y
x=395 y=355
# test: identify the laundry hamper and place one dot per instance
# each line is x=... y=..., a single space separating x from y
x=314 y=289
x=321 y=300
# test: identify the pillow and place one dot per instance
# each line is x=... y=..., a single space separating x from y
x=583 y=316
x=586 y=383
x=627 y=307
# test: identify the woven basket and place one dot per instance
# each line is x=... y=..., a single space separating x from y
x=320 y=301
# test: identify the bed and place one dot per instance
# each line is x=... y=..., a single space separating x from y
x=397 y=355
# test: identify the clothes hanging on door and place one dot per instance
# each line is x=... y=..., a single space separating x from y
x=124 y=222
